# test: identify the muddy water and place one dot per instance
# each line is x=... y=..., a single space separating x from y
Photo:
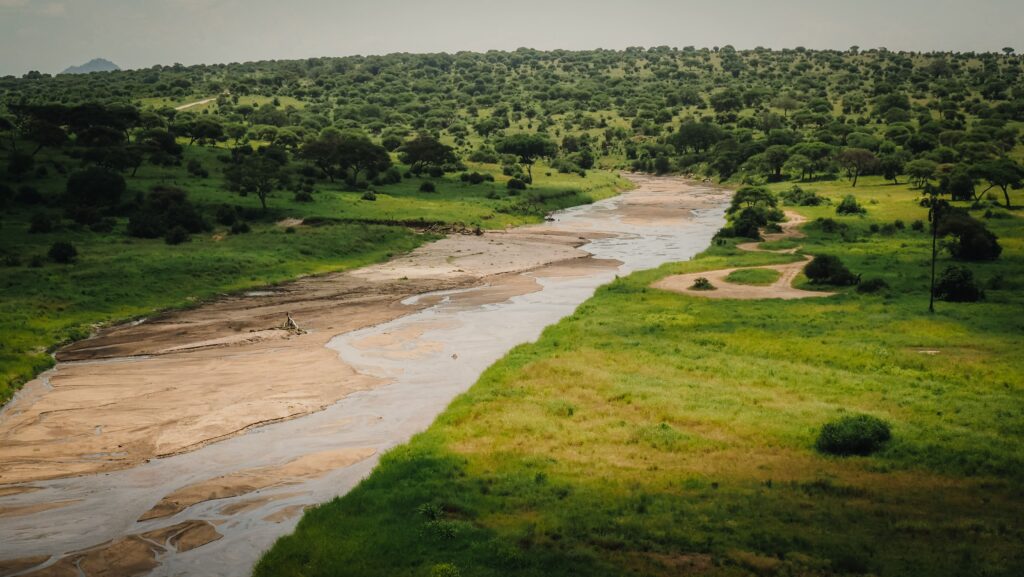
x=426 y=358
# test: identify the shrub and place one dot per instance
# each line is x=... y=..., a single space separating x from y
x=956 y=284
x=40 y=223
x=899 y=224
x=103 y=225
x=828 y=269
x=831 y=225
x=849 y=205
x=872 y=285
x=369 y=195
x=177 y=235
x=240 y=227
x=63 y=252
x=516 y=184
x=797 y=196
x=917 y=225
x=303 y=196
x=748 y=223
x=29 y=195
x=972 y=241
x=702 y=284
x=428 y=186
x=165 y=208
x=95 y=187
x=226 y=215
x=853 y=435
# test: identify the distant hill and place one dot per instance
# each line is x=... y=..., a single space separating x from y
x=94 y=65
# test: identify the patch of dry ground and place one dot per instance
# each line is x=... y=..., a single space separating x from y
x=780 y=289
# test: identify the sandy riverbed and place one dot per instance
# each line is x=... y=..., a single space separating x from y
x=161 y=428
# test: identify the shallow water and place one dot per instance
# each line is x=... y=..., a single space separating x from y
x=429 y=357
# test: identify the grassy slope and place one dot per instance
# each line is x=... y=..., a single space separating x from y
x=118 y=277
x=661 y=434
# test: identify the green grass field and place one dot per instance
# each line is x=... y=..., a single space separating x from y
x=754 y=276
x=653 y=433
x=118 y=277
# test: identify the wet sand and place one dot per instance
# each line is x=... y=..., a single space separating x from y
x=217 y=424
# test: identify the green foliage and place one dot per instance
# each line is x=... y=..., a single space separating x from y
x=828 y=269
x=956 y=284
x=850 y=206
x=853 y=435
x=702 y=284
x=62 y=252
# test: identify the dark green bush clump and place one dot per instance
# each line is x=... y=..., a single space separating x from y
x=63 y=252
x=872 y=285
x=797 y=196
x=702 y=284
x=827 y=269
x=428 y=187
x=516 y=184
x=177 y=235
x=853 y=435
x=40 y=223
x=956 y=284
x=166 y=208
x=240 y=227
x=370 y=195
x=849 y=205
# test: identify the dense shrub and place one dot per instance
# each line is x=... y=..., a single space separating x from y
x=369 y=195
x=849 y=205
x=516 y=184
x=797 y=196
x=917 y=225
x=957 y=284
x=63 y=252
x=702 y=284
x=971 y=240
x=828 y=269
x=165 y=208
x=872 y=285
x=177 y=235
x=240 y=227
x=226 y=214
x=41 y=223
x=95 y=187
x=830 y=225
x=427 y=186
x=303 y=196
x=853 y=435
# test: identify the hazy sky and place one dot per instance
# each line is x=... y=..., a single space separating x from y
x=49 y=35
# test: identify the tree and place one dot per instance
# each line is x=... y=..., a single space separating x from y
x=696 y=136
x=775 y=157
x=891 y=166
x=358 y=153
x=528 y=147
x=425 y=151
x=786 y=103
x=1004 y=173
x=857 y=161
x=260 y=174
x=920 y=171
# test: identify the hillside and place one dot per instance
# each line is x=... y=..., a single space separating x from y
x=94 y=65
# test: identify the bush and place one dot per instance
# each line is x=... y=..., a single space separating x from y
x=303 y=196
x=516 y=184
x=797 y=196
x=369 y=195
x=702 y=284
x=103 y=225
x=226 y=215
x=917 y=225
x=956 y=284
x=40 y=223
x=177 y=235
x=827 y=269
x=29 y=195
x=165 y=208
x=95 y=187
x=428 y=186
x=972 y=241
x=63 y=252
x=240 y=227
x=849 y=205
x=831 y=225
x=853 y=435
x=872 y=285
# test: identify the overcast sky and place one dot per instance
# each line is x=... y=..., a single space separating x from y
x=49 y=35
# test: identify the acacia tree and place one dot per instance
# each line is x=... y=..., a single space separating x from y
x=856 y=161
x=528 y=148
x=258 y=173
x=1004 y=173
x=425 y=151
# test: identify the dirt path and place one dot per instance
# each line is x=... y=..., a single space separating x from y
x=780 y=289
x=194 y=104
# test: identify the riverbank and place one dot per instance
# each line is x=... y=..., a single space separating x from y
x=659 y=433
x=392 y=342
